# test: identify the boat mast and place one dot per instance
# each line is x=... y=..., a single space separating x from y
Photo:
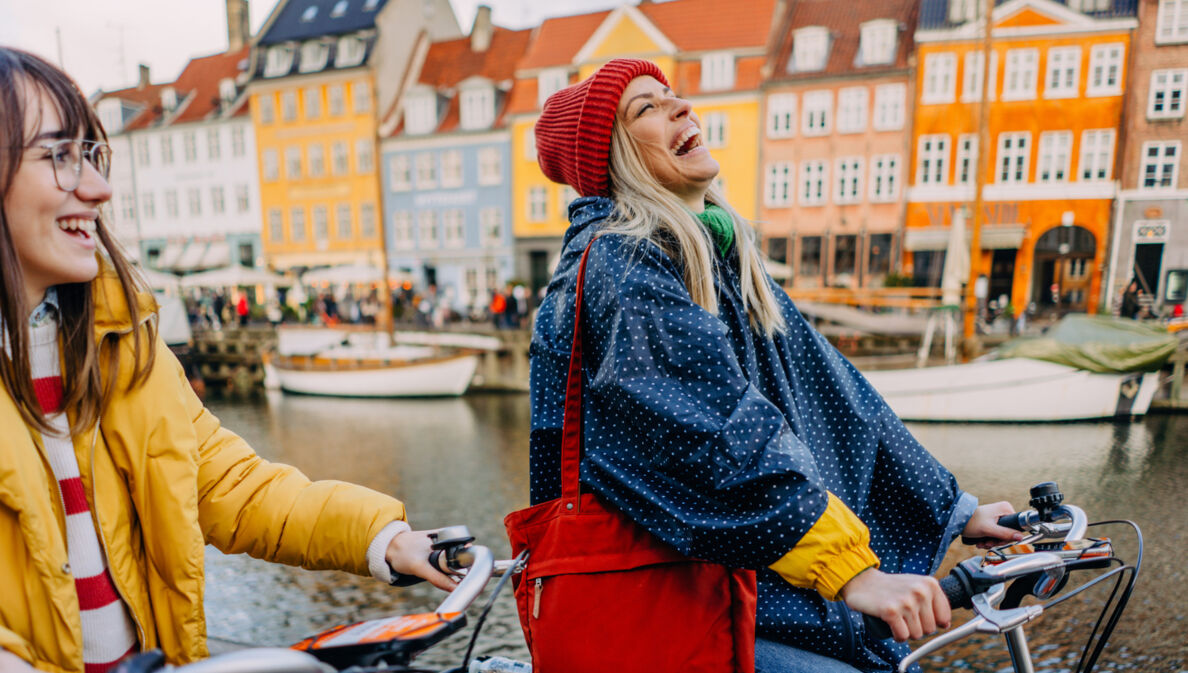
x=983 y=158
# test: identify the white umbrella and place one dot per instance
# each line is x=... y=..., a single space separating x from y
x=234 y=276
x=344 y=274
x=158 y=280
x=956 y=271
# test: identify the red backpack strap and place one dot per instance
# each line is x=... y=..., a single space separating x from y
x=571 y=430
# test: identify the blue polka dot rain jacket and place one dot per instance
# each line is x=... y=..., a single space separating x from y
x=723 y=442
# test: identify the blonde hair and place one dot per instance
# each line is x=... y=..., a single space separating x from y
x=646 y=210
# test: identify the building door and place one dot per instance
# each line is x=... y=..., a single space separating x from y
x=1148 y=264
x=538 y=268
x=1002 y=273
x=1064 y=265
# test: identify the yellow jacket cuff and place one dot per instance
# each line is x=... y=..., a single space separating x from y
x=830 y=554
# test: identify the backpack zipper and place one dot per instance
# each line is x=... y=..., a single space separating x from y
x=539 y=584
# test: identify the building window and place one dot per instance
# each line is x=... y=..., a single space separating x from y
x=1064 y=72
x=171 y=202
x=426 y=171
x=238 y=142
x=350 y=52
x=195 y=201
x=538 y=204
x=530 y=143
x=1168 y=91
x=568 y=194
x=313 y=55
x=367 y=229
x=342 y=221
x=142 y=152
x=1013 y=155
x=293 y=162
x=940 y=71
x=453 y=222
x=128 y=206
x=845 y=254
x=877 y=41
x=1105 y=70
x=278 y=60
x=1172 y=22
x=336 y=100
x=847 y=186
x=815 y=113
x=889 y=106
x=339 y=158
x=814 y=176
x=717 y=71
x=810 y=45
x=1022 y=66
x=967 y=158
x=1160 y=163
x=148 y=207
x=313 y=103
x=402 y=235
x=490 y=166
x=400 y=173
x=218 y=203
x=297 y=224
x=271 y=166
x=289 y=106
x=884 y=177
x=810 y=256
x=478 y=108
x=781 y=115
x=190 y=146
x=851 y=109
x=451 y=168
x=362 y=97
x=243 y=198
x=713 y=129
x=491 y=225
x=167 y=150
x=427 y=228
x=317 y=160
x=267 y=109
x=879 y=257
x=549 y=82
x=932 y=167
x=276 y=225
x=1097 y=154
x=214 y=148
x=971 y=79
x=340 y=8
x=364 y=156
x=780 y=184
x=420 y=114
x=1055 y=150
x=321 y=223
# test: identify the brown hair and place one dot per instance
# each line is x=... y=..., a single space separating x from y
x=85 y=388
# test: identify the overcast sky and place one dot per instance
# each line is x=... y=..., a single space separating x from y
x=102 y=41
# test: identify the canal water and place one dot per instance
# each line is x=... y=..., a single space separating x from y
x=465 y=461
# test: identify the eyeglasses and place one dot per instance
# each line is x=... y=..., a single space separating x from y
x=68 y=154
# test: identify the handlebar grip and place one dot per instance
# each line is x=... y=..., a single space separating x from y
x=409 y=580
x=954 y=589
x=1012 y=521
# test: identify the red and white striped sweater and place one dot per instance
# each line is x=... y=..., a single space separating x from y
x=108 y=631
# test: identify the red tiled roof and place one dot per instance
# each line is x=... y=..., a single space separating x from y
x=452 y=61
x=704 y=25
x=197 y=89
x=844 y=21
x=558 y=40
x=147 y=98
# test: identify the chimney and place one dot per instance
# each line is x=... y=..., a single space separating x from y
x=480 y=32
x=238 y=26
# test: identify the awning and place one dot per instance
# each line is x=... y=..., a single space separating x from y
x=937 y=238
x=169 y=256
x=217 y=254
x=191 y=257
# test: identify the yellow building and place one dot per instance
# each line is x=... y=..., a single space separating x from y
x=716 y=68
x=1057 y=77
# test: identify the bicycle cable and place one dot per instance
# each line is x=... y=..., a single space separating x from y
x=478 y=623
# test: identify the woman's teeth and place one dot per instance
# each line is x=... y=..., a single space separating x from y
x=78 y=224
x=686 y=141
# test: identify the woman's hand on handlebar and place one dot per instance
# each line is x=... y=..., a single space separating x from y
x=408 y=554
x=912 y=605
x=983 y=526
x=11 y=663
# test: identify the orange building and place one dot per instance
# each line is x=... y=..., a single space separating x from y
x=1057 y=77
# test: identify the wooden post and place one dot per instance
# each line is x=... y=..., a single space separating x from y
x=984 y=157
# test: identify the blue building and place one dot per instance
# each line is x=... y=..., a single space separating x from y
x=446 y=168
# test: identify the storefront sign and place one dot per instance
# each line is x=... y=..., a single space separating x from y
x=1151 y=231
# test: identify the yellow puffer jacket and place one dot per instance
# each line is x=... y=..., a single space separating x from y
x=163 y=479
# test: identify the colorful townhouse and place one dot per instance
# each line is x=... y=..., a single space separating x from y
x=1150 y=233
x=314 y=71
x=1056 y=89
x=446 y=167
x=185 y=183
x=714 y=63
x=835 y=140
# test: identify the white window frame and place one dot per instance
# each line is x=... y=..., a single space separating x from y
x=491 y=226
x=336 y=100
x=932 y=159
x=548 y=82
x=364 y=156
x=148 y=208
x=538 y=204
x=490 y=166
x=877 y=41
x=852 y=104
x=297 y=228
x=940 y=78
x=1012 y=164
x=238 y=141
x=713 y=129
x=171 y=203
x=717 y=71
x=477 y=106
x=971 y=76
x=194 y=200
x=243 y=198
x=321 y=223
x=781 y=115
x=1062 y=75
x=400 y=173
x=1160 y=164
x=530 y=143
x=278 y=60
x=313 y=56
x=214 y=145
x=402 y=230
x=816 y=109
x=847 y=180
x=317 y=160
x=1168 y=90
x=218 y=200
x=420 y=114
x=780 y=186
x=190 y=146
x=568 y=194
x=344 y=225
x=453 y=225
x=426 y=176
x=1055 y=156
x=884 y=178
x=289 y=106
x=293 y=162
x=1021 y=74
x=340 y=158
x=143 y=155
x=1105 y=69
x=367 y=228
x=814 y=182
x=312 y=97
x=270 y=165
x=428 y=237
x=451 y=168
x=361 y=96
x=1172 y=22
x=966 y=164
x=276 y=225
x=267 y=109
x=810 y=49
x=350 y=51
x=889 y=105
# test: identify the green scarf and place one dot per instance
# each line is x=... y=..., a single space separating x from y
x=720 y=225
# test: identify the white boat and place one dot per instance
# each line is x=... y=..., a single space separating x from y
x=1010 y=390
x=399 y=371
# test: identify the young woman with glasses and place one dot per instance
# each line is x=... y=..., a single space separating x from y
x=113 y=477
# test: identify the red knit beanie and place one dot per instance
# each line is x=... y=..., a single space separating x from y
x=573 y=134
